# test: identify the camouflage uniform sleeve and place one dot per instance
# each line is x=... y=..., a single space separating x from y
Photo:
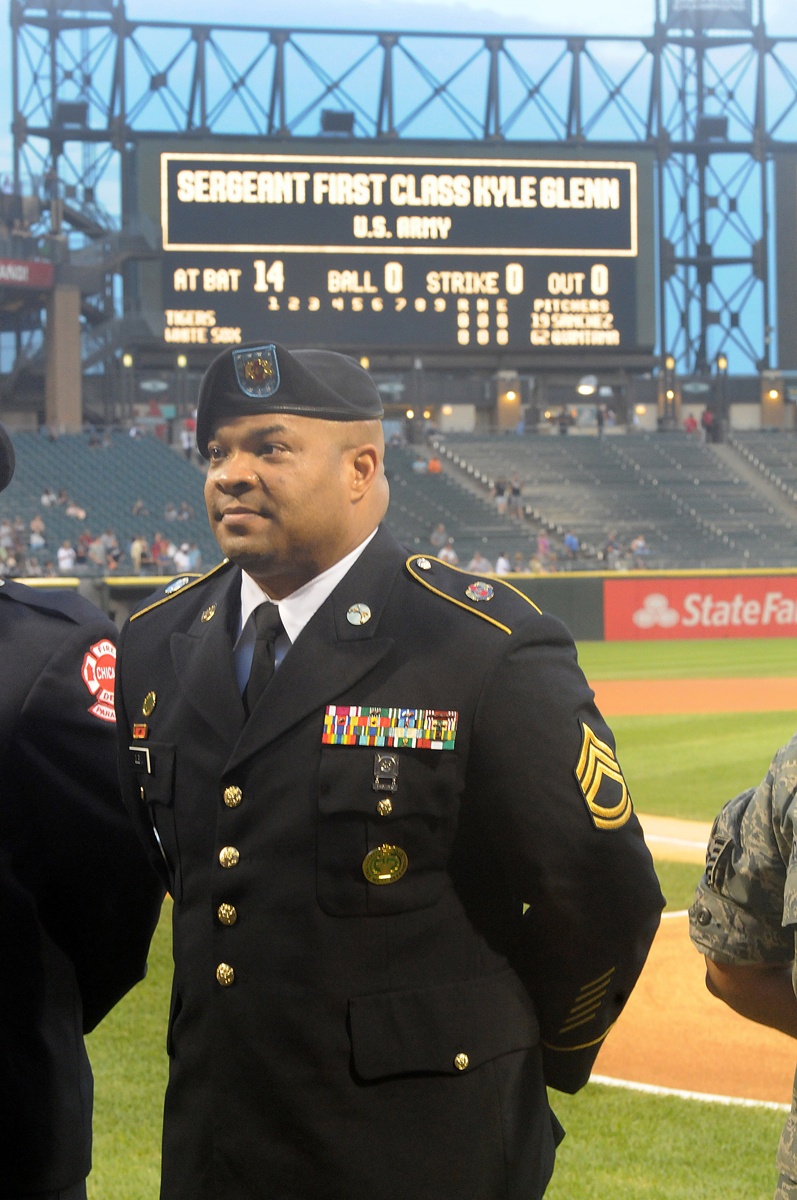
x=745 y=907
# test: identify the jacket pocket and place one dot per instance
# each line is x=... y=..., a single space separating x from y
x=407 y=831
x=446 y=1030
x=153 y=765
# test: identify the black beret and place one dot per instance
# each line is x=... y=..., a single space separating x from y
x=7 y=459
x=268 y=378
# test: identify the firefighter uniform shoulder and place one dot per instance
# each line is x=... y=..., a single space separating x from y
x=56 y=602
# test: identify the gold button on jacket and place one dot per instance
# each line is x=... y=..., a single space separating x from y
x=233 y=796
x=228 y=856
x=225 y=974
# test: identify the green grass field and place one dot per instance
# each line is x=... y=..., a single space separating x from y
x=621 y=1145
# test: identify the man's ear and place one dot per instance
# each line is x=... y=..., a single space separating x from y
x=365 y=468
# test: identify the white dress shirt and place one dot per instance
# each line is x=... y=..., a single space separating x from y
x=295 y=611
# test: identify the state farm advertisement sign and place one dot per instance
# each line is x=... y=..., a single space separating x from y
x=700 y=607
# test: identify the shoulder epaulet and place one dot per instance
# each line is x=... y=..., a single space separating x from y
x=178 y=587
x=59 y=602
x=508 y=606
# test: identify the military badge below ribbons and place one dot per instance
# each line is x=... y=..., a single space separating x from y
x=404 y=728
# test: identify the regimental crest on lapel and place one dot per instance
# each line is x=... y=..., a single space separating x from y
x=601 y=782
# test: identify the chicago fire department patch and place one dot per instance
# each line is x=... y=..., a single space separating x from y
x=99 y=675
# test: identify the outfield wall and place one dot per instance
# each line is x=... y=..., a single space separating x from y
x=660 y=605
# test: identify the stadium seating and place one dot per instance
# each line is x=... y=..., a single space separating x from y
x=689 y=503
x=419 y=501
x=687 y=499
x=106 y=481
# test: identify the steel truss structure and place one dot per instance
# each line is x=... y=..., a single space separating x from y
x=714 y=109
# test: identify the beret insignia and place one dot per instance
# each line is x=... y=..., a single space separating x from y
x=256 y=371
x=601 y=781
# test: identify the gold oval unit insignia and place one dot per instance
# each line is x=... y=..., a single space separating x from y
x=386 y=864
x=148 y=707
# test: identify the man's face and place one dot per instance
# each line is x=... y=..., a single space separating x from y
x=280 y=493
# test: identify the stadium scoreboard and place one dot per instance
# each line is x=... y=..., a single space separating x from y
x=428 y=250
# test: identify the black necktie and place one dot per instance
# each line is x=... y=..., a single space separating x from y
x=268 y=627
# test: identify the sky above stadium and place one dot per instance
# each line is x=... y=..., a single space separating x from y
x=444 y=16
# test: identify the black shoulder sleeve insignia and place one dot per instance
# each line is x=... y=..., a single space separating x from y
x=508 y=606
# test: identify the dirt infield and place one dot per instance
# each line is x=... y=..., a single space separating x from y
x=665 y=697
x=672 y=1033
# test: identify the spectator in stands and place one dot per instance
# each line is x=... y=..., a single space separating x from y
x=612 y=551
x=170 y=511
x=518 y=562
x=73 y=509
x=707 y=425
x=49 y=570
x=181 y=558
x=194 y=557
x=162 y=553
x=48 y=498
x=67 y=557
x=6 y=534
x=32 y=567
x=97 y=555
x=139 y=508
x=434 y=466
x=639 y=550
x=10 y=565
x=500 y=494
x=420 y=466
x=439 y=536
x=502 y=564
x=139 y=554
x=38 y=531
x=690 y=425
x=537 y=566
x=187 y=440
x=572 y=546
x=480 y=564
x=62 y=499
x=185 y=512
x=543 y=547
x=448 y=554
x=515 y=502
x=112 y=548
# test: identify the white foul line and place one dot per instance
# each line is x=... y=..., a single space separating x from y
x=666 y=840
x=653 y=1090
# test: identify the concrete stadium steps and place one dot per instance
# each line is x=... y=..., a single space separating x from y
x=419 y=501
x=106 y=481
x=691 y=503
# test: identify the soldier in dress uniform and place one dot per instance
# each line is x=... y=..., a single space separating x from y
x=79 y=899
x=744 y=918
x=355 y=768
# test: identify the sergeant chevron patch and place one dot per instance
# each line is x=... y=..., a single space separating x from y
x=601 y=781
